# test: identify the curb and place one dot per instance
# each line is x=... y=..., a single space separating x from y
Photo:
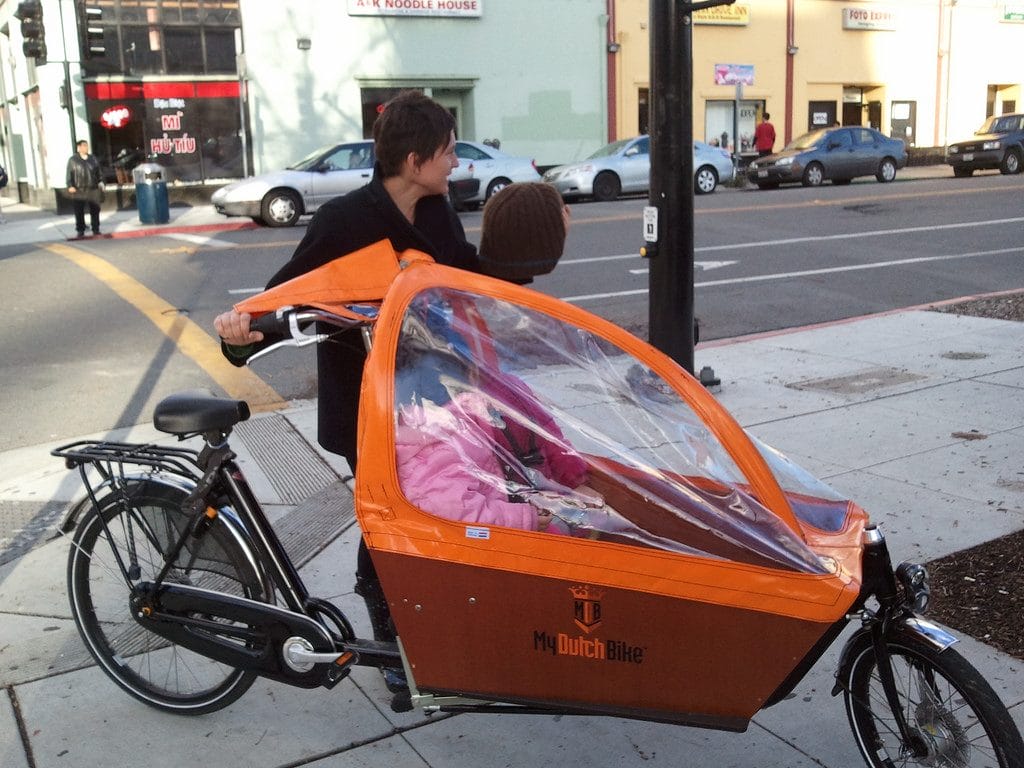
x=227 y=226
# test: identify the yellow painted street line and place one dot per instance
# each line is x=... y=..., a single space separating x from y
x=190 y=339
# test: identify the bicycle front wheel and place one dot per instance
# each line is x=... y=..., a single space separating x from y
x=956 y=718
x=138 y=528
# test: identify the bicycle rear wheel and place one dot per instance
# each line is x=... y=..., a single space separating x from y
x=141 y=529
x=955 y=715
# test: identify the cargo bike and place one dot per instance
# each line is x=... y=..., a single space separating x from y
x=561 y=521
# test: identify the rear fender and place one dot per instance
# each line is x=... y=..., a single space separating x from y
x=169 y=481
x=227 y=515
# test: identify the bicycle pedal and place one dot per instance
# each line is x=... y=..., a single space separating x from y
x=134 y=572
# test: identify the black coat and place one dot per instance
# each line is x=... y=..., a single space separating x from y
x=343 y=225
x=83 y=173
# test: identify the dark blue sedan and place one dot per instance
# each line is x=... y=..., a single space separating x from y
x=834 y=154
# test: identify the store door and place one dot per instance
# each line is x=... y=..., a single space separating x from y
x=453 y=101
x=852 y=113
x=875 y=115
x=903 y=122
x=820 y=114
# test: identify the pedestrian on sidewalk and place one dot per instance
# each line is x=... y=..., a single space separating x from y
x=85 y=187
x=414 y=143
x=764 y=136
x=405 y=202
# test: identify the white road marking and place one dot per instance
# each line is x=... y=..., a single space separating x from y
x=808 y=239
x=703 y=265
x=592 y=259
x=762 y=244
x=873 y=233
x=202 y=240
x=805 y=273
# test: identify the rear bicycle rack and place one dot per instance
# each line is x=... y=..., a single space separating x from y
x=106 y=455
x=110 y=458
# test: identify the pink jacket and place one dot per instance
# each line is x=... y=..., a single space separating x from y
x=448 y=460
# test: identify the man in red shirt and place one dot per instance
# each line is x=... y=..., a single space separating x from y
x=764 y=136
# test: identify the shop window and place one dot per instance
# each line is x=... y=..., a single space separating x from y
x=373 y=100
x=139 y=55
x=220 y=51
x=184 y=50
x=166 y=37
x=720 y=122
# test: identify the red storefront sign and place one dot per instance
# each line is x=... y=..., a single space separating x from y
x=117 y=116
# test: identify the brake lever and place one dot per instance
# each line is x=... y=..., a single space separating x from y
x=305 y=341
x=296 y=338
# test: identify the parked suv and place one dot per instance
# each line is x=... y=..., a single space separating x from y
x=999 y=143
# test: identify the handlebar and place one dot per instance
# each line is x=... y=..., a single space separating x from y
x=270 y=323
x=289 y=322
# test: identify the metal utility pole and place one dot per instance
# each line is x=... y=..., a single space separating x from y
x=68 y=101
x=668 y=218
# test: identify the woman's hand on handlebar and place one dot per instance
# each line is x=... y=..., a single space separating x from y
x=233 y=329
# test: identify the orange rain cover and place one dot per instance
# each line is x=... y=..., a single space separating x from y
x=378 y=496
x=363 y=275
x=538 y=618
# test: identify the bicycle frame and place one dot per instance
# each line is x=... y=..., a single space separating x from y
x=291 y=644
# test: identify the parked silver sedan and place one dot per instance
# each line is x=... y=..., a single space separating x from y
x=838 y=155
x=495 y=169
x=624 y=167
x=279 y=198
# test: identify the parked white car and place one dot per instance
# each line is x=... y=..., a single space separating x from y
x=625 y=167
x=279 y=198
x=492 y=167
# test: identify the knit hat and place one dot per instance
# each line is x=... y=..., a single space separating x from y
x=523 y=232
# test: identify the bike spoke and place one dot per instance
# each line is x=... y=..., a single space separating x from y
x=935 y=709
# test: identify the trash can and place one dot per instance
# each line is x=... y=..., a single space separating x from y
x=151 y=194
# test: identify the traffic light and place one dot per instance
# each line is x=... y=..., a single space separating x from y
x=94 y=45
x=30 y=13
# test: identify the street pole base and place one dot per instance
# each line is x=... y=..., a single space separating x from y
x=707 y=377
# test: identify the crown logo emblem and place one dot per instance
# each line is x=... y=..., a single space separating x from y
x=586 y=606
x=586 y=592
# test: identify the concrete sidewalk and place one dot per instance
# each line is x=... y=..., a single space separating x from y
x=878 y=406
x=26 y=224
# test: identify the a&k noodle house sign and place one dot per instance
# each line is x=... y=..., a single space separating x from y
x=415 y=7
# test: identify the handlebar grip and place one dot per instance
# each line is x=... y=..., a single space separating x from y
x=270 y=323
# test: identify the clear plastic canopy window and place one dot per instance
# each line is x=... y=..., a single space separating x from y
x=505 y=416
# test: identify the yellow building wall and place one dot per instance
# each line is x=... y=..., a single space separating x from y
x=956 y=62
